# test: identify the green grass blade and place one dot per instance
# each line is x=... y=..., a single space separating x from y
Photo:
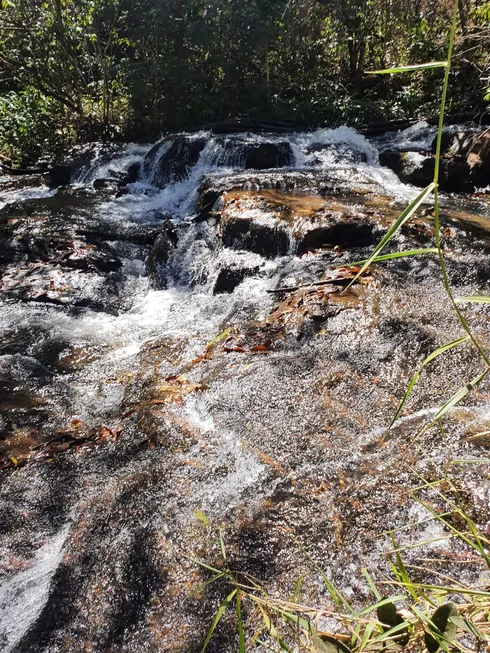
x=386 y=635
x=212 y=580
x=337 y=596
x=475 y=544
x=297 y=589
x=293 y=618
x=367 y=635
x=217 y=617
x=394 y=255
x=399 y=222
x=375 y=606
x=272 y=630
x=241 y=634
x=356 y=635
x=409 y=69
x=204 y=565
x=475 y=299
x=456 y=398
x=371 y=584
x=415 y=377
x=465 y=591
x=402 y=572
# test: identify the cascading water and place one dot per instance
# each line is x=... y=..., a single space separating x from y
x=187 y=398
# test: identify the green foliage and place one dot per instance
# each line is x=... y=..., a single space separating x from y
x=26 y=132
x=135 y=67
x=442 y=629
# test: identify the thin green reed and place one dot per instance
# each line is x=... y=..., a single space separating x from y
x=437 y=166
x=407 y=214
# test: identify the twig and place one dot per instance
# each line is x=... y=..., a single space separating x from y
x=331 y=282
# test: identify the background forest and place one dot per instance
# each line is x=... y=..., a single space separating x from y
x=72 y=70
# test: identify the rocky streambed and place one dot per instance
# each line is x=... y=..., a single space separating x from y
x=180 y=353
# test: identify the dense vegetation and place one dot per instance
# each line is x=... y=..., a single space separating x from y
x=133 y=68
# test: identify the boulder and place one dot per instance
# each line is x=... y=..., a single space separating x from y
x=207 y=197
x=175 y=161
x=232 y=276
x=262 y=156
x=455 y=176
x=133 y=173
x=477 y=149
x=392 y=159
x=465 y=162
x=417 y=169
x=451 y=143
x=238 y=152
x=60 y=175
x=272 y=223
x=352 y=233
x=267 y=239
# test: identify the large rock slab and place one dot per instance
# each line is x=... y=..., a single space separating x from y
x=273 y=223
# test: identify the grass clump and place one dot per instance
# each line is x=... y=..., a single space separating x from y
x=399 y=612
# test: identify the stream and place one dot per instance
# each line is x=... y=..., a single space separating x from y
x=156 y=385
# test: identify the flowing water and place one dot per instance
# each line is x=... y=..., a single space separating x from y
x=137 y=395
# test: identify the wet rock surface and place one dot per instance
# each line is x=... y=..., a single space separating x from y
x=46 y=258
x=259 y=156
x=163 y=246
x=172 y=160
x=465 y=162
x=272 y=223
x=253 y=386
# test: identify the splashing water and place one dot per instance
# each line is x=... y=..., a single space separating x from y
x=23 y=597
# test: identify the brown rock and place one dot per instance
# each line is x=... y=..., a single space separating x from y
x=271 y=222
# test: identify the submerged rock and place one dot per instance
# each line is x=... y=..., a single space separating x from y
x=160 y=252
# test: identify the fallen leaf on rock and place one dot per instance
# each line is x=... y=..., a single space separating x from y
x=259 y=349
x=171 y=392
x=212 y=345
x=65 y=439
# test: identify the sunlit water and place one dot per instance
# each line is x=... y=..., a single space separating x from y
x=221 y=472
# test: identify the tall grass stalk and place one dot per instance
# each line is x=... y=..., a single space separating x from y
x=406 y=215
x=437 y=166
